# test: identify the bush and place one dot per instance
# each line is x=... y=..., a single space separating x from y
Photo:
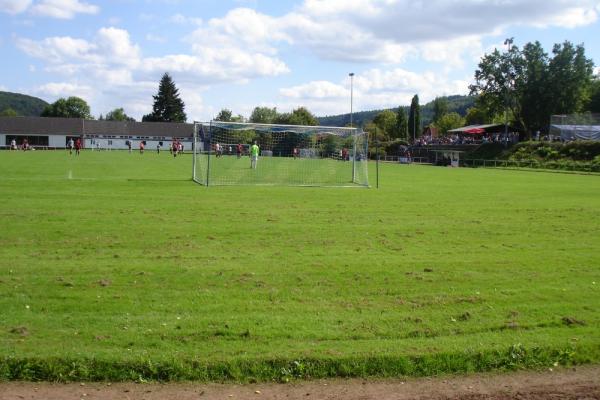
x=576 y=150
x=373 y=153
x=487 y=151
x=395 y=147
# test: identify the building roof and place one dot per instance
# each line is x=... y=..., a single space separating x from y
x=78 y=127
x=485 y=127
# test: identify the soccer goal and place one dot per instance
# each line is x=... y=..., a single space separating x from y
x=225 y=154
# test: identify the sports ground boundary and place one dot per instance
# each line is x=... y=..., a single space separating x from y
x=516 y=357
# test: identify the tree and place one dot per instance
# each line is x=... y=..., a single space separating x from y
x=401 y=124
x=168 y=106
x=570 y=74
x=224 y=115
x=440 y=108
x=300 y=116
x=496 y=78
x=530 y=86
x=414 y=117
x=594 y=103
x=477 y=115
x=73 y=107
x=535 y=104
x=118 y=114
x=263 y=115
x=8 y=112
x=386 y=122
x=449 y=121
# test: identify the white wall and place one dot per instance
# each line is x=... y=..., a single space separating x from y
x=57 y=141
x=121 y=144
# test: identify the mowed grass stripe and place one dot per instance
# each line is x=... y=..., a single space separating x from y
x=124 y=263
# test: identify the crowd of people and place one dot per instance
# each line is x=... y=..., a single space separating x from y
x=457 y=139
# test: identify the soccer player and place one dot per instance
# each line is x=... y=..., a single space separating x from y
x=77 y=146
x=142 y=147
x=345 y=154
x=70 y=145
x=295 y=153
x=13 y=144
x=254 y=151
x=239 y=150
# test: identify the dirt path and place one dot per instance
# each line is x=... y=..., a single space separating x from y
x=581 y=383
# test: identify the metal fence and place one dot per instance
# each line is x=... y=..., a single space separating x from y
x=531 y=164
x=575 y=126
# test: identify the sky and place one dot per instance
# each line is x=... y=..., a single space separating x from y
x=239 y=54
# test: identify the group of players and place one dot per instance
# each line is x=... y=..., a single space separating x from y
x=254 y=151
x=24 y=146
x=219 y=150
x=76 y=145
x=175 y=148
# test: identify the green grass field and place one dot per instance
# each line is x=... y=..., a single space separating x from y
x=115 y=266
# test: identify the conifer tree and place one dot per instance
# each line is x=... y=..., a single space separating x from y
x=168 y=106
x=401 y=124
x=414 y=118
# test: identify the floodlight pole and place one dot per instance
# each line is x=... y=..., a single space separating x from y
x=351 y=74
x=508 y=43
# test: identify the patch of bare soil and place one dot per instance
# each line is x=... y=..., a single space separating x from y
x=581 y=383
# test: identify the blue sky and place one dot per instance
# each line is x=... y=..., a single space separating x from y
x=239 y=54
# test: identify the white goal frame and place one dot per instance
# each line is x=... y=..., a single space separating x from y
x=352 y=156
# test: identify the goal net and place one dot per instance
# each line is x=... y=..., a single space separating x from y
x=286 y=155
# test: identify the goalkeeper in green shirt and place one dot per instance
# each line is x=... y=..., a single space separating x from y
x=254 y=151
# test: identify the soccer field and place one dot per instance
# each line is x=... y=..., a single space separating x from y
x=116 y=266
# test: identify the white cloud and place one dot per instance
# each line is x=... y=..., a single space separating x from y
x=155 y=38
x=110 y=46
x=184 y=20
x=241 y=29
x=14 y=6
x=373 y=89
x=316 y=90
x=65 y=89
x=58 y=49
x=441 y=31
x=114 y=45
x=570 y=17
x=63 y=9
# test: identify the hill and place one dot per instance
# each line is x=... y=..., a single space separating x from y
x=456 y=103
x=27 y=106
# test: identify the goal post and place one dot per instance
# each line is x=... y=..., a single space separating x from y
x=288 y=155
